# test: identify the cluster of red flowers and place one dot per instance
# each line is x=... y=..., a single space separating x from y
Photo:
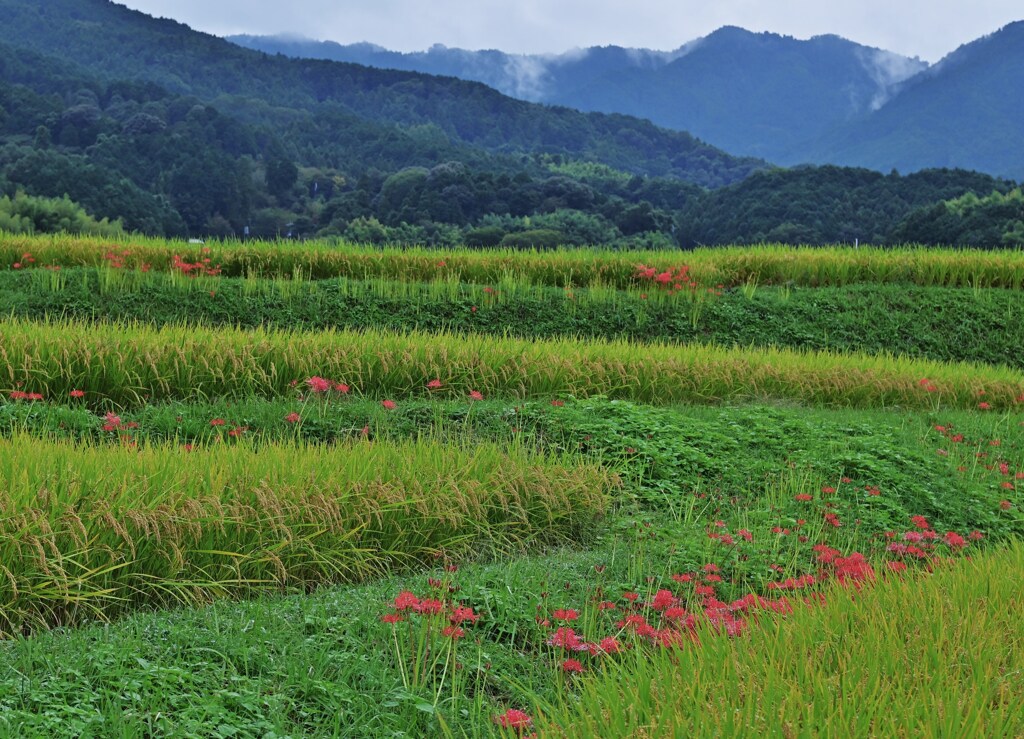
x=670 y=280
x=20 y=395
x=26 y=258
x=999 y=468
x=193 y=269
x=454 y=615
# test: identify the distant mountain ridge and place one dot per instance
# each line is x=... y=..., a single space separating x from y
x=757 y=94
x=825 y=100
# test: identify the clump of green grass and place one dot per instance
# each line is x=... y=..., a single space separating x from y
x=130 y=364
x=90 y=531
x=934 y=655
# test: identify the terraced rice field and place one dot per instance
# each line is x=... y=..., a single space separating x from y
x=292 y=490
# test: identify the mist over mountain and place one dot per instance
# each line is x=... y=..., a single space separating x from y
x=821 y=100
x=759 y=94
x=965 y=111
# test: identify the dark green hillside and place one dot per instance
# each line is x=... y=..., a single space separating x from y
x=117 y=43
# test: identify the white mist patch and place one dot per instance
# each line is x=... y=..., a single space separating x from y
x=888 y=71
x=526 y=76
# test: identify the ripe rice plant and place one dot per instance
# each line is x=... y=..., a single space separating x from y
x=947 y=666
x=131 y=364
x=730 y=266
x=90 y=531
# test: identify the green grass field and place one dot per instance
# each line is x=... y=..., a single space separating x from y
x=318 y=490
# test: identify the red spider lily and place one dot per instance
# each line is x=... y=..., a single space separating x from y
x=920 y=522
x=662 y=600
x=631 y=597
x=389 y=404
x=833 y=519
x=744 y=534
x=453 y=632
x=217 y=422
x=429 y=606
x=803 y=497
x=610 y=645
x=685 y=577
x=293 y=417
x=392 y=618
x=557 y=403
x=675 y=613
x=405 y=601
x=567 y=638
x=237 y=431
x=896 y=566
x=463 y=614
x=475 y=395
x=319 y=385
x=77 y=394
x=565 y=614
x=434 y=384
x=954 y=540
x=873 y=491
x=606 y=605
x=342 y=388
x=1005 y=505
x=513 y=719
x=975 y=536
x=828 y=490
x=984 y=406
x=711 y=567
x=572 y=666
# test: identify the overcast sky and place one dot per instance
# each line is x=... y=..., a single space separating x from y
x=925 y=28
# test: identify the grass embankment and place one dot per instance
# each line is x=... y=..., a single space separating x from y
x=128 y=365
x=935 y=655
x=938 y=323
x=770 y=264
x=90 y=531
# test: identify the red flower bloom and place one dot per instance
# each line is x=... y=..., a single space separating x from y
x=1005 y=505
x=434 y=384
x=565 y=614
x=217 y=422
x=475 y=395
x=342 y=388
x=513 y=719
x=631 y=597
x=453 y=632
x=920 y=522
x=389 y=404
x=463 y=614
x=391 y=618
x=557 y=403
x=319 y=385
x=896 y=566
x=954 y=540
x=293 y=417
x=803 y=497
x=663 y=599
x=566 y=638
x=983 y=406
x=572 y=665
x=406 y=600
x=77 y=393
